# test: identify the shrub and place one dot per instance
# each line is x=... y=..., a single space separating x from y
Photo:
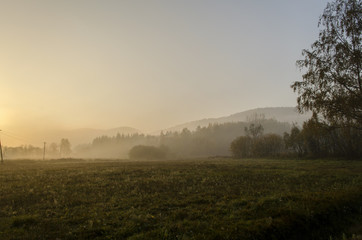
x=241 y=147
x=148 y=152
x=269 y=145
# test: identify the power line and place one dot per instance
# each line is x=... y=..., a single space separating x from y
x=17 y=137
x=12 y=135
x=44 y=151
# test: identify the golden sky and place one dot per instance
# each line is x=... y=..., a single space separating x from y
x=147 y=64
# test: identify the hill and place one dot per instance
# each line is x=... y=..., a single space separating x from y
x=281 y=114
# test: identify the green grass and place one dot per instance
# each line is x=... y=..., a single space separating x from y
x=185 y=199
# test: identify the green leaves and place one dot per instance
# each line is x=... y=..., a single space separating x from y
x=332 y=84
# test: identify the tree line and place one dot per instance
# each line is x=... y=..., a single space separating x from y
x=52 y=150
x=314 y=140
x=211 y=140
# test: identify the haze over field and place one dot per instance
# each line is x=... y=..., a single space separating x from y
x=146 y=64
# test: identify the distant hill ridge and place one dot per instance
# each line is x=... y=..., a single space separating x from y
x=86 y=135
x=281 y=114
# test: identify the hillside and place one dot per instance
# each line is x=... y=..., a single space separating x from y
x=87 y=135
x=281 y=114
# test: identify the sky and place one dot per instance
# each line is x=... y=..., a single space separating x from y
x=147 y=64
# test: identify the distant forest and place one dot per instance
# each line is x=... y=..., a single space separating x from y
x=213 y=140
x=257 y=137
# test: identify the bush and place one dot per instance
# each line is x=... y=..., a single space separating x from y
x=241 y=147
x=148 y=152
x=269 y=145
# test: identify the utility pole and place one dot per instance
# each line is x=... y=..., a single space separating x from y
x=1 y=152
x=44 y=151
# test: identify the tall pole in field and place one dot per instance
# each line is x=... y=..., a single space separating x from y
x=44 y=151
x=1 y=152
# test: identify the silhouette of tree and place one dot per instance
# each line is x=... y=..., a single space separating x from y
x=65 y=147
x=294 y=141
x=254 y=130
x=269 y=145
x=53 y=149
x=332 y=84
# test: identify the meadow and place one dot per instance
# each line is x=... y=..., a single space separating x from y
x=179 y=199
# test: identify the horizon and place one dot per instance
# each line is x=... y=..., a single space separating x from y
x=13 y=139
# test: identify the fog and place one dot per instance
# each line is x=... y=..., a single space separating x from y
x=206 y=141
x=202 y=138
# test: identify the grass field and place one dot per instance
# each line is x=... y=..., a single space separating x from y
x=185 y=199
